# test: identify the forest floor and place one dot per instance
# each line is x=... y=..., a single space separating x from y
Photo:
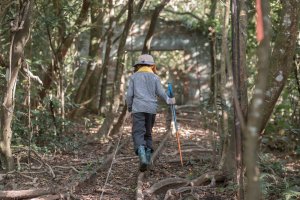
x=86 y=171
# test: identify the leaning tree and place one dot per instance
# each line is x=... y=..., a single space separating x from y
x=19 y=35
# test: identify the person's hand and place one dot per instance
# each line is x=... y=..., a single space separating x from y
x=171 y=100
x=127 y=115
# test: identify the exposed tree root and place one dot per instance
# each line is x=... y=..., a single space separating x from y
x=208 y=177
x=40 y=160
x=192 y=144
x=170 y=183
x=160 y=147
x=190 y=160
x=67 y=167
x=187 y=106
x=91 y=177
x=186 y=119
x=121 y=120
x=26 y=176
x=25 y=194
x=194 y=185
x=139 y=190
x=166 y=184
x=100 y=190
x=190 y=150
x=127 y=158
x=173 y=194
x=52 y=197
x=62 y=193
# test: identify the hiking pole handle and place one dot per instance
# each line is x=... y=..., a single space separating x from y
x=170 y=91
x=171 y=95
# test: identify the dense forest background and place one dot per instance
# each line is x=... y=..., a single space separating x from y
x=64 y=64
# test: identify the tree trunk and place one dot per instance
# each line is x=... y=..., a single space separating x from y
x=106 y=126
x=213 y=7
x=254 y=116
x=296 y=72
x=243 y=21
x=238 y=81
x=115 y=99
x=118 y=125
x=20 y=34
x=110 y=33
x=213 y=61
x=236 y=88
x=241 y=90
x=65 y=43
x=89 y=87
x=281 y=58
x=148 y=39
x=296 y=113
x=86 y=90
x=214 y=73
x=268 y=89
x=225 y=84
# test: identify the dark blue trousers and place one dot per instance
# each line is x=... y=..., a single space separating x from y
x=142 y=124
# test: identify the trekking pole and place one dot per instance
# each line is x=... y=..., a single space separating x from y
x=173 y=111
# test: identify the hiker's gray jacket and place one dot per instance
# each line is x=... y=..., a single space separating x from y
x=143 y=89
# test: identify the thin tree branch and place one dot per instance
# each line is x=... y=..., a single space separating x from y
x=184 y=13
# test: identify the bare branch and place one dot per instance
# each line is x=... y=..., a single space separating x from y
x=31 y=75
x=184 y=13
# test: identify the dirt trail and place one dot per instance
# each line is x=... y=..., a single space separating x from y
x=83 y=170
x=122 y=181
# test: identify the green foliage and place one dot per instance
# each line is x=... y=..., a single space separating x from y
x=231 y=187
x=50 y=132
x=283 y=131
x=269 y=164
x=291 y=194
x=191 y=14
x=285 y=140
x=275 y=8
x=275 y=182
x=252 y=44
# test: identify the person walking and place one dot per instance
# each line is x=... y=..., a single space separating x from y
x=143 y=89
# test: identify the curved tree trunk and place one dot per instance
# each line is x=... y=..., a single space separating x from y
x=106 y=126
x=282 y=57
x=296 y=72
x=106 y=59
x=233 y=84
x=65 y=43
x=89 y=86
x=214 y=68
x=20 y=34
x=241 y=91
x=267 y=90
x=225 y=85
x=148 y=39
x=254 y=115
x=213 y=8
x=115 y=99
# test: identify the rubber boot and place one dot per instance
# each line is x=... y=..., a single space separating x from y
x=143 y=159
x=148 y=155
